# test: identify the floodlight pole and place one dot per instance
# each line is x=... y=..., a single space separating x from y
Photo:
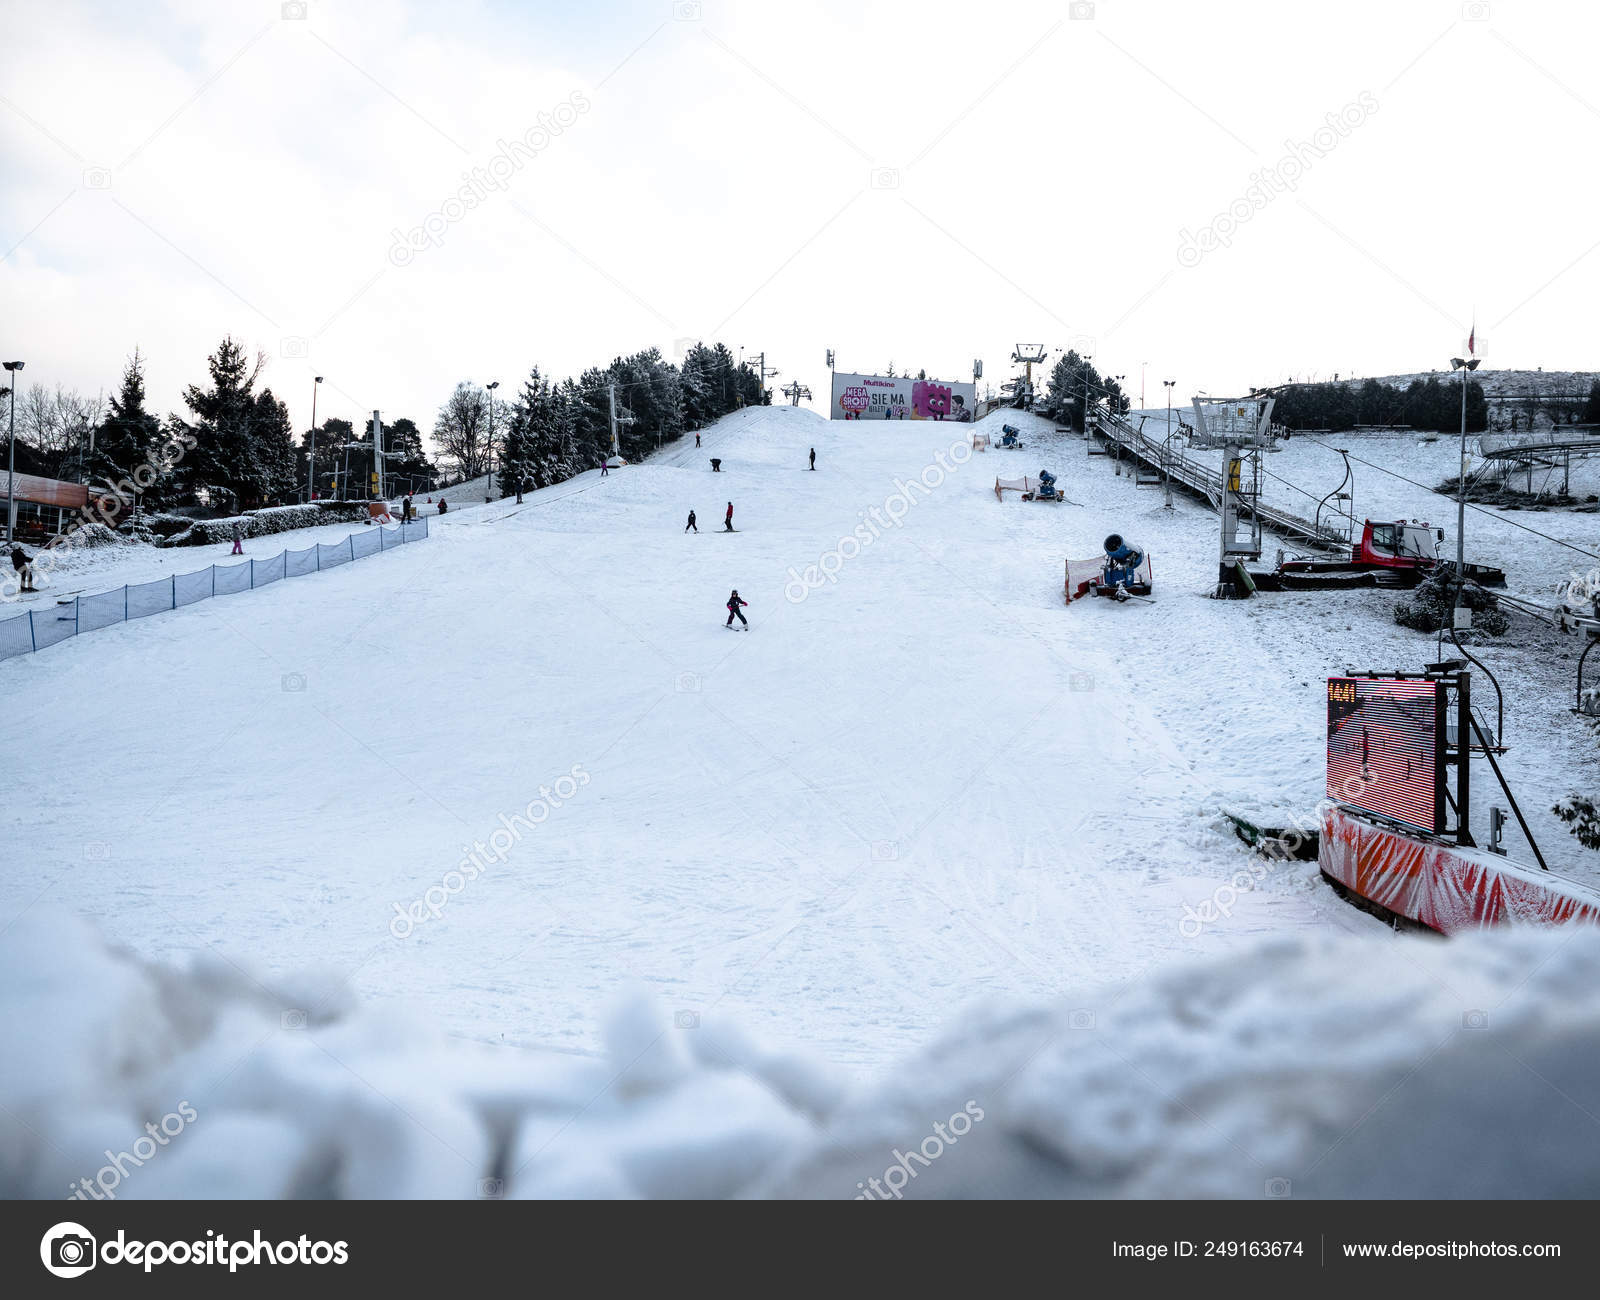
x=1461 y=491
x=11 y=455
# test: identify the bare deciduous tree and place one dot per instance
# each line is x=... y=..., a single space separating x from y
x=58 y=423
x=462 y=431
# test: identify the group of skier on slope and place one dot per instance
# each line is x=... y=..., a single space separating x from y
x=736 y=603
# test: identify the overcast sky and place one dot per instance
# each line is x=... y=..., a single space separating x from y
x=922 y=183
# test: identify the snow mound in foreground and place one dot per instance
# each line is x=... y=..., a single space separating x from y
x=1350 y=1067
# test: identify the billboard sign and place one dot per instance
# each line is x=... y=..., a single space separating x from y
x=880 y=397
x=1385 y=748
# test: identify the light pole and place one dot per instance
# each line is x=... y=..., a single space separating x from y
x=311 y=465
x=1464 y=365
x=1086 y=361
x=488 y=488
x=1166 y=447
x=11 y=456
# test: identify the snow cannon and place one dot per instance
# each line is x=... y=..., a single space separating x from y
x=1047 y=487
x=1122 y=571
x=1009 y=436
x=1123 y=564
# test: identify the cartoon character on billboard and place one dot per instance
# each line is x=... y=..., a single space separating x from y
x=929 y=401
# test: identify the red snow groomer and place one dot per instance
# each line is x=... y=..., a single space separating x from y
x=1398 y=554
x=1123 y=571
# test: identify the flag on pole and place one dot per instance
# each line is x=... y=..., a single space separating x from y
x=1472 y=340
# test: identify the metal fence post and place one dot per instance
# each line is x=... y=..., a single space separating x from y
x=75 y=603
x=213 y=582
x=174 y=591
x=124 y=602
x=252 y=573
x=352 y=546
x=32 y=635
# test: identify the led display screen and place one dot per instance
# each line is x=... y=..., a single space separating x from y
x=1383 y=748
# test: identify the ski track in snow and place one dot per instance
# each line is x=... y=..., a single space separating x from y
x=896 y=798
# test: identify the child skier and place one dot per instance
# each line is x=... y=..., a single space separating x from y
x=691 y=523
x=727 y=522
x=734 y=604
x=238 y=538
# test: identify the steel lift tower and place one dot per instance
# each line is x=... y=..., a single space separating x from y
x=1029 y=355
x=1241 y=426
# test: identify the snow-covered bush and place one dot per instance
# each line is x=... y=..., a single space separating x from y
x=1581 y=815
x=93 y=535
x=273 y=519
x=1432 y=604
x=206 y=532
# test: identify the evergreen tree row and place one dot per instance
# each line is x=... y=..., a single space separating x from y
x=1429 y=404
x=551 y=429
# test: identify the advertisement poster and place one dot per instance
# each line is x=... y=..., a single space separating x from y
x=880 y=397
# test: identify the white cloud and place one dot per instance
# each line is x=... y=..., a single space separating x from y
x=722 y=181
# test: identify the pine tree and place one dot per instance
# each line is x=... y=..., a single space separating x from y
x=408 y=459
x=131 y=459
x=236 y=460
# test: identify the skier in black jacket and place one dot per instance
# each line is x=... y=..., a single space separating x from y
x=24 y=567
x=691 y=523
x=734 y=604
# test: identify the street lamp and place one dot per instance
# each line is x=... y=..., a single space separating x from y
x=1166 y=447
x=488 y=488
x=11 y=456
x=311 y=465
x=1086 y=359
x=1463 y=365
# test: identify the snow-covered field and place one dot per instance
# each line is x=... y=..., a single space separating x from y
x=488 y=781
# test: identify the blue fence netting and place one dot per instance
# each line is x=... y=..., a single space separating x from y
x=25 y=633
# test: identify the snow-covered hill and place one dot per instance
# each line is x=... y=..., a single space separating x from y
x=499 y=776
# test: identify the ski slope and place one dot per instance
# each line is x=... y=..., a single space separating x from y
x=923 y=783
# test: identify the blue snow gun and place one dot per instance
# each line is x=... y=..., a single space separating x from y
x=1009 y=436
x=1047 y=486
x=1122 y=563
